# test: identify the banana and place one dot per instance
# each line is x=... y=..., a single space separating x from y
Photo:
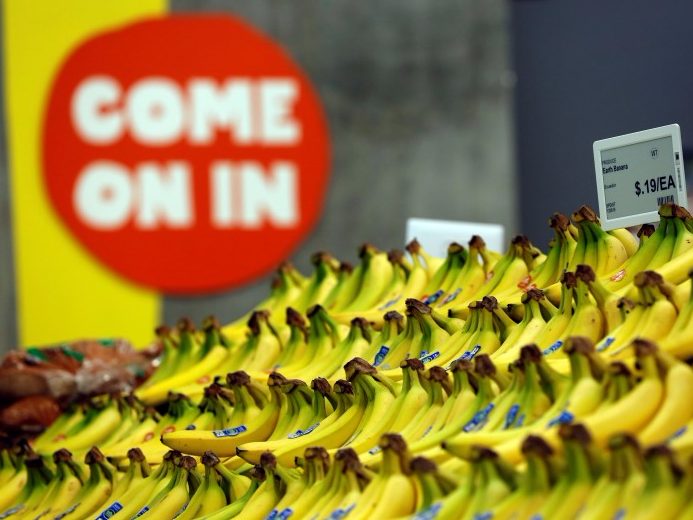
x=526 y=331
x=268 y=494
x=315 y=484
x=136 y=497
x=404 y=346
x=234 y=508
x=390 y=296
x=378 y=348
x=138 y=470
x=657 y=319
x=347 y=282
x=675 y=410
x=432 y=485
x=212 y=357
x=252 y=451
x=209 y=496
x=172 y=499
x=286 y=287
x=381 y=279
x=662 y=496
x=445 y=275
x=470 y=278
x=96 y=489
x=619 y=280
x=533 y=490
x=568 y=496
x=621 y=482
x=550 y=335
x=380 y=401
x=26 y=487
x=62 y=490
x=331 y=435
x=323 y=338
x=296 y=346
x=493 y=482
x=322 y=281
x=262 y=347
x=224 y=442
x=392 y=492
x=100 y=420
x=629 y=241
x=610 y=251
x=354 y=345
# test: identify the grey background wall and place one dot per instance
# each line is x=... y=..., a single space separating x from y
x=419 y=101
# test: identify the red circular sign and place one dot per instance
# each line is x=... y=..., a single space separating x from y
x=188 y=153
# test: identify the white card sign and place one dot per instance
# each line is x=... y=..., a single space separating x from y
x=637 y=173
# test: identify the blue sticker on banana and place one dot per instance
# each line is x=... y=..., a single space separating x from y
x=230 y=432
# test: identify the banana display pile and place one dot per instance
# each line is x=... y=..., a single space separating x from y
x=481 y=385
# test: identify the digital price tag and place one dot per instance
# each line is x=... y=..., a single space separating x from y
x=637 y=173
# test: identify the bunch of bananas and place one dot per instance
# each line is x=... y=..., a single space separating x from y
x=502 y=375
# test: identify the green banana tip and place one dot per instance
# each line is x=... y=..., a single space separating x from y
x=257 y=473
x=394 y=442
x=585 y=273
x=483 y=365
x=317 y=453
x=559 y=221
x=393 y=316
x=62 y=455
x=294 y=318
x=342 y=386
x=533 y=294
x=186 y=324
x=421 y=464
x=476 y=242
x=209 y=458
x=644 y=347
x=358 y=366
x=536 y=445
x=238 y=378
x=94 y=455
x=417 y=305
x=489 y=303
x=646 y=230
x=210 y=323
x=577 y=432
x=530 y=353
x=135 y=455
x=461 y=365
x=437 y=374
x=413 y=247
x=268 y=460
x=162 y=331
x=320 y=384
x=412 y=364
x=187 y=462
x=395 y=256
x=619 y=368
x=621 y=440
x=578 y=344
x=585 y=213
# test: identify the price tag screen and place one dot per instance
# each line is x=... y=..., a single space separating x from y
x=637 y=173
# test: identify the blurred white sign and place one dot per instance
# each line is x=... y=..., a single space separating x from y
x=436 y=235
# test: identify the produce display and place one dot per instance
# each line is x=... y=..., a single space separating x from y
x=524 y=385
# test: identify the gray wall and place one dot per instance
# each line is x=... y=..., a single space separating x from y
x=419 y=101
